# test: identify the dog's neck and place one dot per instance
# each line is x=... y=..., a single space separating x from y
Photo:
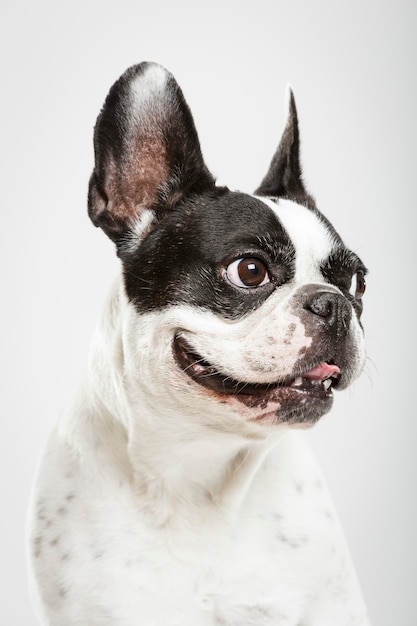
x=182 y=480
x=175 y=462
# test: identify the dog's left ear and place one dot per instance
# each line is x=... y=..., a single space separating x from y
x=147 y=152
x=284 y=177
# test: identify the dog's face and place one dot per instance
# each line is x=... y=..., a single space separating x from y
x=254 y=300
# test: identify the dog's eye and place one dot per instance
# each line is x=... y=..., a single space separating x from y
x=247 y=272
x=358 y=286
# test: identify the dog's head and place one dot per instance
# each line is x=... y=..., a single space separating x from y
x=253 y=300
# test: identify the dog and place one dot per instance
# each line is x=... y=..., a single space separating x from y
x=177 y=488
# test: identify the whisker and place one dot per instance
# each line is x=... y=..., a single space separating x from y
x=367 y=371
x=196 y=362
x=239 y=390
x=144 y=280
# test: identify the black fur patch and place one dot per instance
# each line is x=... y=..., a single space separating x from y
x=339 y=269
x=184 y=259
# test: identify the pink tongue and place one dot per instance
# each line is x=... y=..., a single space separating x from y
x=322 y=372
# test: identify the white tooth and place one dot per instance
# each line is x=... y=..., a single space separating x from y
x=327 y=383
x=298 y=382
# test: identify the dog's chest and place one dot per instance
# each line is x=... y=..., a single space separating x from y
x=263 y=563
x=257 y=571
x=209 y=579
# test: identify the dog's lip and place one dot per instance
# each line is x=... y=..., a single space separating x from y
x=320 y=374
x=316 y=381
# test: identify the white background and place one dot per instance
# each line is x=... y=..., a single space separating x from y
x=353 y=68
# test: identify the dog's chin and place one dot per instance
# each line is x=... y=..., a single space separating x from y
x=299 y=401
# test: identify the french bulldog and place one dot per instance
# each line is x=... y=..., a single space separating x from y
x=177 y=488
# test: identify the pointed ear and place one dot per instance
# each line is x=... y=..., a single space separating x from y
x=284 y=177
x=147 y=152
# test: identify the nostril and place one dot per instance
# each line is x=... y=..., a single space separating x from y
x=332 y=307
x=321 y=304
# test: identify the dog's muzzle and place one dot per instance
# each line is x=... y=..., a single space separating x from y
x=305 y=392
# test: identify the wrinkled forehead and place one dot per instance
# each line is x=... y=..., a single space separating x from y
x=312 y=239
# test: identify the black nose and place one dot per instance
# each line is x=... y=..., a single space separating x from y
x=332 y=307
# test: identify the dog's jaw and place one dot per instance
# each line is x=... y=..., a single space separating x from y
x=272 y=402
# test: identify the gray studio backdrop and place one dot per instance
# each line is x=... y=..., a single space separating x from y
x=352 y=67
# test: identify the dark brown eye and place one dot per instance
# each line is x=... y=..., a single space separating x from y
x=358 y=285
x=247 y=272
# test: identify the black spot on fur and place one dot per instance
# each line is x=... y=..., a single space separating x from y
x=62 y=592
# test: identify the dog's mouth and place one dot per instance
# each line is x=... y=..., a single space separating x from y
x=316 y=382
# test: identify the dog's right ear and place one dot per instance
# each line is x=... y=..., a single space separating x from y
x=147 y=152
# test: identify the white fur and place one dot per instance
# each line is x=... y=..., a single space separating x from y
x=156 y=506
x=147 y=87
x=310 y=237
x=140 y=228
